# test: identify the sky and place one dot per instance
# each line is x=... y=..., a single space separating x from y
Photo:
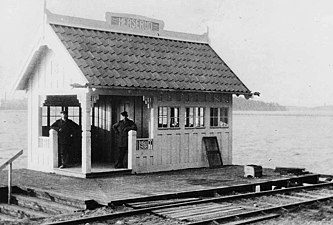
x=280 y=48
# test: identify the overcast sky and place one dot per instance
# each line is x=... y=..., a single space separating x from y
x=281 y=48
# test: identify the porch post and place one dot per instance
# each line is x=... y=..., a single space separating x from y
x=53 y=145
x=86 y=133
x=131 y=148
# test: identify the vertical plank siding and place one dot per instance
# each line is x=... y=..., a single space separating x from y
x=173 y=148
x=52 y=75
x=180 y=148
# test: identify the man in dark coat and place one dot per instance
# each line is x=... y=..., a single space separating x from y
x=121 y=128
x=66 y=130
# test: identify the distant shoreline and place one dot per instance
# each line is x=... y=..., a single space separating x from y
x=286 y=113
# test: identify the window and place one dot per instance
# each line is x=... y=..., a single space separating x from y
x=224 y=117
x=214 y=117
x=194 y=117
x=74 y=114
x=189 y=117
x=162 y=116
x=52 y=113
x=174 y=117
x=219 y=117
x=49 y=115
x=168 y=117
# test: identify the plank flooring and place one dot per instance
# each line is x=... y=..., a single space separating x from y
x=120 y=187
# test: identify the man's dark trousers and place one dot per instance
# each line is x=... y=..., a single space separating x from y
x=122 y=154
x=64 y=153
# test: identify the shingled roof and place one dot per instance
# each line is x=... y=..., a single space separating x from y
x=111 y=59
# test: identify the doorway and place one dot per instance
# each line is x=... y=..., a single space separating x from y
x=106 y=112
x=50 y=112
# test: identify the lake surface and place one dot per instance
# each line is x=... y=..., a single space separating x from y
x=294 y=139
x=270 y=139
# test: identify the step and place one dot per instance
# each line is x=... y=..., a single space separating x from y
x=42 y=204
x=56 y=197
x=21 y=212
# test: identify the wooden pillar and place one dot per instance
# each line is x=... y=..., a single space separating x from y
x=54 y=148
x=131 y=149
x=9 y=182
x=85 y=100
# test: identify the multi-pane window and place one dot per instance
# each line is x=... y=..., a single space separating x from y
x=74 y=114
x=50 y=114
x=194 y=117
x=54 y=113
x=162 y=116
x=219 y=117
x=168 y=117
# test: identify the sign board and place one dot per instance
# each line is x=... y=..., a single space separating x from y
x=213 y=152
x=135 y=22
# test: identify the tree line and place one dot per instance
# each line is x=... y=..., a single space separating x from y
x=239 y=104
x=242 y=104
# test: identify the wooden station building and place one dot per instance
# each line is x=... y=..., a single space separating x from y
x=173 y=85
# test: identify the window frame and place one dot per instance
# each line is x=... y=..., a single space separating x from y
x=195 y=117
x=52 y=114
x=167 y=117
x=221 y=119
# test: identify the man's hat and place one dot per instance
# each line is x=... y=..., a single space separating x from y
x=124 y=114
x=64 y=112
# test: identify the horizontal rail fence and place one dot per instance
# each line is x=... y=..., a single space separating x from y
x=9 y=163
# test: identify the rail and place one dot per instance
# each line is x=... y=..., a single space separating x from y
x=201 y=201
x=10 y=162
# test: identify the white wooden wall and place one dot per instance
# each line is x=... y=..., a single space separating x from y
x=183 y=148
x=52 y=75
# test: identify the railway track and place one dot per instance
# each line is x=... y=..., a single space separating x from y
x=242 y=208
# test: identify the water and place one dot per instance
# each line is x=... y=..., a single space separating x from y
x=270 y=139
x=291 y=139
x=13 y=136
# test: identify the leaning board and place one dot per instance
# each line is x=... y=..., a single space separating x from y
x=213 y=152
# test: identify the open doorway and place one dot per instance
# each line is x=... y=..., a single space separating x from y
x=50 y=112
x=105 y=113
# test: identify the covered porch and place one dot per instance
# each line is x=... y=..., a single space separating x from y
x=95 y=152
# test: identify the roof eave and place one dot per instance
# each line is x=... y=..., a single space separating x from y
x=167 y=90
x=28 y=68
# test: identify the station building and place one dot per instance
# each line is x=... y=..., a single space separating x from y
x=173 y=85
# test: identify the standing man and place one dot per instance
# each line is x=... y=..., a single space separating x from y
x=66 y=130
x=121 y=128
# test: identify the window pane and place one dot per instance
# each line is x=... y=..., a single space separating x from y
x=44 y=111
x=44 y=121
x=201 y=117
x=57 y=111
x=52 y=111
x=189 y=117
x=224 y=117
x=214 y=117
x=174 y=117
x=53 y=119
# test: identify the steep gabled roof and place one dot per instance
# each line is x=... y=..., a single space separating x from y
x=111 y=59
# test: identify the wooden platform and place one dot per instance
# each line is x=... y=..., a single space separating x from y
x=120 y=187
x=97 y=170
